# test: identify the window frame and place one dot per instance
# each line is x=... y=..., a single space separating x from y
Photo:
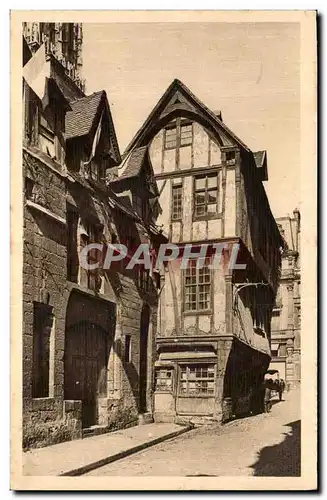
x=196 y=285
x=205 y=192
x=161 y=388
x=182 y=138
x=196 y=367
x=177 y=212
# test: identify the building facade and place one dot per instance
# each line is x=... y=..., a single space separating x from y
x=88 y=334
x=286 y=319
x=213 y=329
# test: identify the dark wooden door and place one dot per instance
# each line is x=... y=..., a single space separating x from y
x=85 y=362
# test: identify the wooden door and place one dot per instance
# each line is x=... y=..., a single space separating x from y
x=85 y=360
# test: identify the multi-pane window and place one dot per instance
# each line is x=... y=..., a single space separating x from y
x=206 y=195
x=197 y=286
x=170 y=138
x=186 y=135
x=91 y=278
x=181 y=135
x=177 y=197
x=197 y=380
x=164 y=380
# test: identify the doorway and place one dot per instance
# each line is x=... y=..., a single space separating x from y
x=86 y=356
x=143 y=375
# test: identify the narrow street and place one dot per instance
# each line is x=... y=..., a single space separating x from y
x=262 y=445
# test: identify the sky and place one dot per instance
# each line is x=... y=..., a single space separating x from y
x=249 y=71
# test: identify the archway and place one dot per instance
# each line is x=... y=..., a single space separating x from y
x=143 y=369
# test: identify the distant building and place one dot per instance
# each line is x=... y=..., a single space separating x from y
x=286 y=319
x=213 y=329
x=88 y=335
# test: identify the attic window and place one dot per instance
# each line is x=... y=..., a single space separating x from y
x=230 y=157
x=170 y=138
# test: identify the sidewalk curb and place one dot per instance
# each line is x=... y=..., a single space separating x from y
x=125 y=453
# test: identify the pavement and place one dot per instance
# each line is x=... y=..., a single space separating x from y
x=73 y=458
x=260 y=445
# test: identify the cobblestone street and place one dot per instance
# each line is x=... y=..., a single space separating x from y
x=262 y=445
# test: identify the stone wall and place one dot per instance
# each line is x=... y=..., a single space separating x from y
x=45 y=281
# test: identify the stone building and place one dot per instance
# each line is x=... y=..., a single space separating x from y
x=286 y=319
x=213 y=328
x=88 y=335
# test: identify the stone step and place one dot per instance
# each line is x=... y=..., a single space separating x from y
x=145 y=418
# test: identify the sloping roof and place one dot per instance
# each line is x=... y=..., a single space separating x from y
x=177 y=85
x=134 y=163
x=259 y=157
x=80 y=119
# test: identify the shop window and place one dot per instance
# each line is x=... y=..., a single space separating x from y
x=164 y=380
x=197 y=380
x=197 y=286
x=177 y=199
x=205 y=195
x=42 y=325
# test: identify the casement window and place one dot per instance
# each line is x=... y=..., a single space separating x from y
x=197 y=380
x=206 y=195
x=170 y=138
x=42 y=325
x=91 y=278
x=197 y=286
x=180 y=135
x=164 y=380
x=186 y=135
x=177 y=201
x=46 y=137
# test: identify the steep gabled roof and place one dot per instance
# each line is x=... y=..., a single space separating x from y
x=80 y=119
x=178 y=87
x=134 y=163
x=84 y=116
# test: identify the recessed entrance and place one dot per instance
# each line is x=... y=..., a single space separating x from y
x=86 y=367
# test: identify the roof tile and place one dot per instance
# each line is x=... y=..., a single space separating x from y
x=80 y=119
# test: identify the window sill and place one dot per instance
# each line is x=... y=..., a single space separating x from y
x=206 y=217
x=197 y=313
x=202 y=396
